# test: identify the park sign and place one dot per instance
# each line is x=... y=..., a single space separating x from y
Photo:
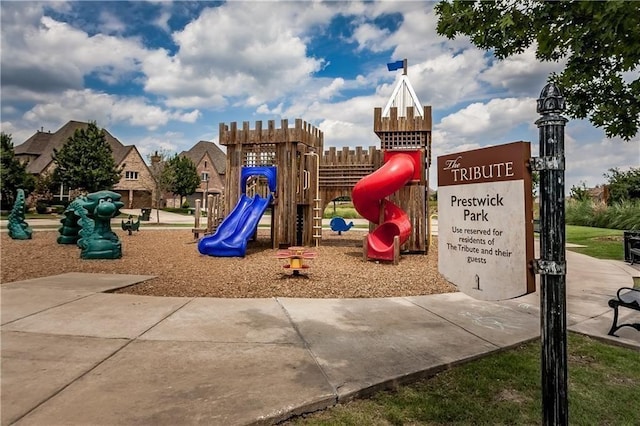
x=485 y=226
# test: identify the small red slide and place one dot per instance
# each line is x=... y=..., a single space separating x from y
x=369 y=199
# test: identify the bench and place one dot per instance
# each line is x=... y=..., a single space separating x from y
x=626 y=297
x=632 y=247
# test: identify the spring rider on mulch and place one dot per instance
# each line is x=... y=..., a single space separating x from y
x=88 y=221
x=130 y=225
x=18 y=228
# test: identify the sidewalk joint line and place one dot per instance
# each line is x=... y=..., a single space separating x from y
x=308 y=349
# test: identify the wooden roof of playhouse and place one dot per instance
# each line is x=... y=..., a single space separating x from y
x=404 y=123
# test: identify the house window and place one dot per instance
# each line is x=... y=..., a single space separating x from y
x=205 y=176
x=205 y=163
x=63 y=194
x=131 y=175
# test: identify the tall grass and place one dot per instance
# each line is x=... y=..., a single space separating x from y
x=623 y=215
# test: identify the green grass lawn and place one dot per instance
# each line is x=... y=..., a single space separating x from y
x=504 y=388
x=601 y=243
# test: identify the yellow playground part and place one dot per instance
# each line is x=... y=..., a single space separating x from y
x=296 y=256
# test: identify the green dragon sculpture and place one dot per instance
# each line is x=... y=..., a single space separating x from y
x=70 y=229
x=18 y=228
x=97 y=240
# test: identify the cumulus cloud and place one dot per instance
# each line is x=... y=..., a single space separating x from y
x=589 y=154
x=493 y=118
x=86 y=105
x=521 y=74
x=218 y=56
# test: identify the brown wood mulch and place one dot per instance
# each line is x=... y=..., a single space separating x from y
x=172 y=256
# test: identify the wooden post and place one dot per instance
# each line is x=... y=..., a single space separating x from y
x=196 y=226
x=210 y=218
x=552 y=264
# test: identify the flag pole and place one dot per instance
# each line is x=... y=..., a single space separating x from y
x=404 y=66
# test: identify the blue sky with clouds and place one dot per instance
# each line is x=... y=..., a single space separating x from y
x=163 y=75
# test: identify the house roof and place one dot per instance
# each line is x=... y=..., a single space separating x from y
x=218 y=157
x=42 y=144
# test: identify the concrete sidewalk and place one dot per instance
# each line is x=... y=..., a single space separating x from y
x=74 y=355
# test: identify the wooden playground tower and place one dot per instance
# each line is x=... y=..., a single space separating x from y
x=296 y=213
x=409 y=132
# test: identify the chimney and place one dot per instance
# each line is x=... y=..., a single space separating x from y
x=155 y=158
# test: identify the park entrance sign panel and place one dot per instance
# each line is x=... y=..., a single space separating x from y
x=485 y=226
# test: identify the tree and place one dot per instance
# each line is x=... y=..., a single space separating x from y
x=14 y=173
x=580 y=192
x=86 y=161
x=182 y=176
x=600 y=40
x=623 y=185
x=161 y=178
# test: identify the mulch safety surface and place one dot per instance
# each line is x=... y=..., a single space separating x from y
x=338 y=271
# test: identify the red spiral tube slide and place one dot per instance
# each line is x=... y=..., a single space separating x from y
x=369 y=199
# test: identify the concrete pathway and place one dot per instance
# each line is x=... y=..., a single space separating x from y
x=75 y=355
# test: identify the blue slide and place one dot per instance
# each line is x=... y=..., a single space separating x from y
x=232 y=235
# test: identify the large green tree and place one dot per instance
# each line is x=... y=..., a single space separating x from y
x=599 y=39
x=86 y=161
x=181 y=175
x=14 y=173
x=623 y=185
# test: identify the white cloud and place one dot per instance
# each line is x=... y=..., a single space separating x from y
x=493 y=118
x=521 y=74
x=86 y=105
x=218 y=57
x=53 y=56
x=588 y=154
x=111 y=24
x=370 y=37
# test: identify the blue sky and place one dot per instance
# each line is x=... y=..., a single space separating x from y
x=163 y=75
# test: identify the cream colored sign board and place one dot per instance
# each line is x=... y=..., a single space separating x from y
x=485 y=234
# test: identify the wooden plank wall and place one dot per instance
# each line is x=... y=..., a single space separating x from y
x=410 y=122
x=341 y=169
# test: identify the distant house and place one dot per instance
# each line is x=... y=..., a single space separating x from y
x=211 y=164
x=599 y=193
x=136 y=184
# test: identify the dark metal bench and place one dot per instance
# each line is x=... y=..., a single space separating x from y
x=634 y=254
x=632 y=246
x=626 y=297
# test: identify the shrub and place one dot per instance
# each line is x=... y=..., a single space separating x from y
x=621 y=215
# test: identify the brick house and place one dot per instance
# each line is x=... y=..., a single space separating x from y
x=136 y=184
x=211 y=164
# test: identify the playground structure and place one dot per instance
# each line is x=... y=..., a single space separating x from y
x=215 y=214
x=285 y=170
x=400 y=222
x=394 y=198
x=272 y=168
